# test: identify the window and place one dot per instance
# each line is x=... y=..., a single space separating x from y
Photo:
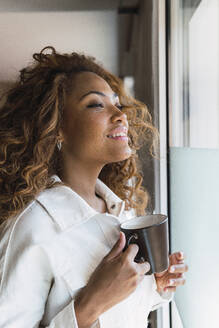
x=194 y=154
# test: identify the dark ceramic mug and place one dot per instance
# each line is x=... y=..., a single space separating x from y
x=150 y=233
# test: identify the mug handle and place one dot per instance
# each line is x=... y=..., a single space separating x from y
x=134 y=235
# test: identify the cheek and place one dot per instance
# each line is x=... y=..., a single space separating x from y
x=86 y=130
x=94 y=127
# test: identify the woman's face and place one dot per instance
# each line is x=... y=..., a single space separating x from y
x=92 y=117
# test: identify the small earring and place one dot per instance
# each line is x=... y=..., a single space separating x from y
x=59 y=145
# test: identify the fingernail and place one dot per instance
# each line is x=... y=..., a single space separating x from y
x=171 y=281
x=172 y=269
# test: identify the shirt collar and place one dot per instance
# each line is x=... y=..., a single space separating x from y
x=68 y=208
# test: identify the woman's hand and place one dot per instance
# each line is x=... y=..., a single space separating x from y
x=115 y=278
x=174 y=275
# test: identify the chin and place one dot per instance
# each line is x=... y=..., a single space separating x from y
x=121 y=157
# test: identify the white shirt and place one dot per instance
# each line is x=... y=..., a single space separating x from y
x=49 y=251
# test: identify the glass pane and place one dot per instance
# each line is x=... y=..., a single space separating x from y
x=194 y=66
x=194 y=155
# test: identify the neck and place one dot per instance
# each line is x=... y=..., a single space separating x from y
x=81 y=177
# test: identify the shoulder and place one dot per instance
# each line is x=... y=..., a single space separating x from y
x=32 y=227
x=33 y=223
x=21 y=243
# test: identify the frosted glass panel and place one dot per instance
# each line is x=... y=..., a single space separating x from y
x=195 y=230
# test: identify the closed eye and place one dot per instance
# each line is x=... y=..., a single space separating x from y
x=101 y=105
x=95 y=105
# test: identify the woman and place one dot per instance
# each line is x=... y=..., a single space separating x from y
x=69 y=135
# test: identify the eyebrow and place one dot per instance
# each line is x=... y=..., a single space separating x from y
x=98 y=93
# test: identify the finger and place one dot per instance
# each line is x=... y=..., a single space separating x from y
x=175 y=275
x=173 y=259
x=176 y=258
x=180 y=256
x=117 y=248
x=169 y=289
x=131 y=251
x=176 y=282
x=143 y=267
x=178 y=268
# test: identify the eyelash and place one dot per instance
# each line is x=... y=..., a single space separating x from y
x=100 y=105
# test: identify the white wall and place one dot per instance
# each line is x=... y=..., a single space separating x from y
x=23 y=33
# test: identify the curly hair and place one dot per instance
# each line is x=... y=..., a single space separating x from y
x=30 y=121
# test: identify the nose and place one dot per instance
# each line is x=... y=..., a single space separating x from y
x=119 y=116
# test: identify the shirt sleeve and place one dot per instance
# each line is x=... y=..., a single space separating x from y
x=25 y=284
x=67 y=318
x=160 y=298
